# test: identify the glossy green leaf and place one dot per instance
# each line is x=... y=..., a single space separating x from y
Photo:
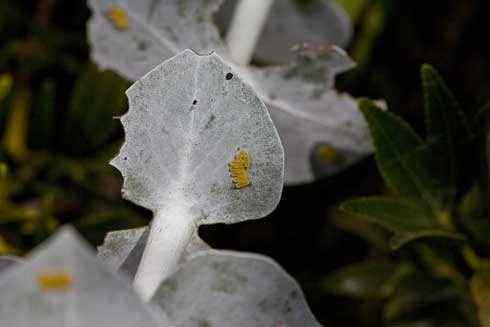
x=370 y=280
x=446 y=125
x=408 y=220
x=404 y=161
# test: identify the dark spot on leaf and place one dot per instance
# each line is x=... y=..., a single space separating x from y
x=125 y=158
x=210 y=121
x=170 y=284
x=194 y=102
x=142 y=45
x=229 y=76
x=204 y=323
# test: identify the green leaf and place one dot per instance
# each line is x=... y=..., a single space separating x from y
x=6 y=82
x=446 y=125
x=41 y=126
x=372 y=23
x=487 y=155
x=408 y=220
x=353 y=7
x=480 y=289
x=373 y=234
x=444 y=116
x=417 y=291
x=96 y=98
x=369 y=280
x=15 y=132
x=405 y=162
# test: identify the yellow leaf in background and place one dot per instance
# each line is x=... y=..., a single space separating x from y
x=15 y=135
x=480 y=290
x=3 y=186
x=3 y=171
x=6 y=82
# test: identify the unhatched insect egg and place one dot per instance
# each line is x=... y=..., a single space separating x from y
x=327 y=153
x=118 y=17
x=237 y=169
x=54 y=281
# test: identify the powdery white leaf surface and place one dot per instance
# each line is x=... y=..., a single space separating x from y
x=123 y=249
x=291 y=23
x=308 y=113
x=7 y=262
x=200 y=148
x=230 y=289
x=314 y=124
x=64 y=284
x=132 y=37
x=189 y=118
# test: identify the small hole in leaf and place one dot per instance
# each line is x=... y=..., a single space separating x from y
x=194 y=102
x=229 y=76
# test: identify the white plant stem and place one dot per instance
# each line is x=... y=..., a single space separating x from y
x=170 y=233
x=246 y=26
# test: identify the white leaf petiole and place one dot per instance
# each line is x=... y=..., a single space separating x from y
x=245 y=28
x=171 y=231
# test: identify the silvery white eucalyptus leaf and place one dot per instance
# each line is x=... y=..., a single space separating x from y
x=314 y=124
x=291 y=23
x=190 y=121
x=122 y=250
x=7 y=261
x=230 y=289
x=64 y=284
x=133 y=37
x=333 y=119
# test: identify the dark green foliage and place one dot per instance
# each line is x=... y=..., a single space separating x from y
x=438 y=211
x=406 y=219
x=370 y=280
x=401 y=156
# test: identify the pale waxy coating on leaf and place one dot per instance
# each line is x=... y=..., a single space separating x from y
x=291 y=23
x=63 y=284
x=155 y=30
x=188 y=118
x=224 y=288
x=7 y=262
x=305 y=108
x=306 y=116
x=122 y=250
